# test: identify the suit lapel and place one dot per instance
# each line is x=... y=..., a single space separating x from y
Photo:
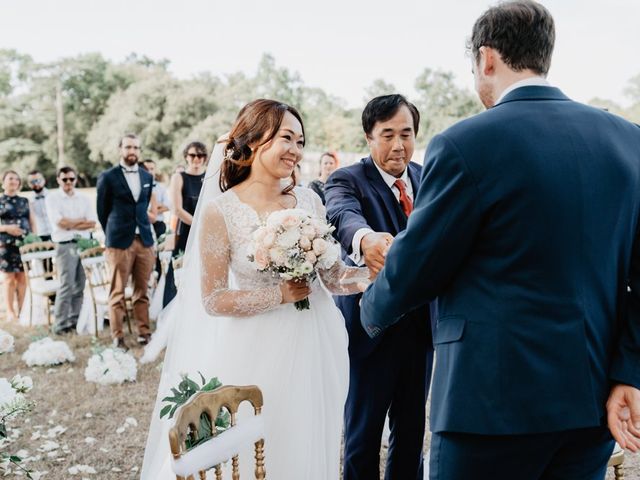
x=414 y=177
x=120 y=175
x=383 y=191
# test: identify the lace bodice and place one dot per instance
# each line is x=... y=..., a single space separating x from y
x=225 y=235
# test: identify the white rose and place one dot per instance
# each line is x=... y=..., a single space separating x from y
x=277 y=256
x=22 y=384
x=311 y=257
x=7 y=392
x=305 y=243
x=288 y=238
x=306 y=268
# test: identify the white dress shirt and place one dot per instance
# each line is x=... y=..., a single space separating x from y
x=40 y=213
x=356 y=254
x=73 y=207
x=162 y=198
x=527 y=82
x=132 y=176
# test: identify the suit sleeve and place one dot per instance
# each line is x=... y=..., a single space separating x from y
x=625 y=367
x=439 y=236
x=104 y=197
x=344 y=207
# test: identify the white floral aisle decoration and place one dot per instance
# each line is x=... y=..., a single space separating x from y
x=46 y=352
x=6 y=342
x=13 y=403
x=111 y=366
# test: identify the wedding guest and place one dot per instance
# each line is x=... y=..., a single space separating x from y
x=163 y=204
x=72 y=217
x=173 y=220
x=369 y=204
x=328 y=164
x=123 y=197
x=38 y=183
x=16 y=220
x=184 y=191
x=526 y=231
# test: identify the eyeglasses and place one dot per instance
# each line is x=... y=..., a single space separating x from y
x=130 y=147
x=194 y=155
x=35 y=181
x=68 y=179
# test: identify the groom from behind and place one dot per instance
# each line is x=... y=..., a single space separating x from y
x=526 y=230
x=369 y=203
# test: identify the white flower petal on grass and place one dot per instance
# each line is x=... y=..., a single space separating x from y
x=85 y=469
x=104 y=450
x=116 y=470
x=88 y=415
x=120 y=430
x=48 y=446
x=6 y=342
x=90 y=440
x=47 y=352
x=131 y=421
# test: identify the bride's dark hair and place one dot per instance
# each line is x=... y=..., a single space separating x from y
x=256 y=124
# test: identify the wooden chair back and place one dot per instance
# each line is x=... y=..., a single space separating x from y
x=187 y=422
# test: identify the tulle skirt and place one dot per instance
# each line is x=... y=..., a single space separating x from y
x=299 y=360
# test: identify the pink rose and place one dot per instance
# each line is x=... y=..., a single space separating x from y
x=268 y=240
x=290 y=221
x=261 y=259
x=308 y=231
x=319 y=246
x=311 y=257
x=305 y=243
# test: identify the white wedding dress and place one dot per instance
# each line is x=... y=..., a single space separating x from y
x=247 y=337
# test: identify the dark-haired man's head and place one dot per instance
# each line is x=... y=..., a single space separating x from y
x=390 y=124
x=509 y=42
x=67 y=179
x=36 y=180
x=130 y=149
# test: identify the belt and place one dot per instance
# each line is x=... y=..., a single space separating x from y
x=67 y=241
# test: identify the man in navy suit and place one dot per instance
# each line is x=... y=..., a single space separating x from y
x=123 y=198
x=525 y=228
x=369 y=203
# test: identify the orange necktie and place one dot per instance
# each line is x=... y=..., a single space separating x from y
x=405 y=201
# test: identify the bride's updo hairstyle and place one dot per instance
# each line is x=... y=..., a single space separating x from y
x=257 y=124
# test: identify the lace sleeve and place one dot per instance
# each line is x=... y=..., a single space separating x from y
x=215 y=252
x=340 y=279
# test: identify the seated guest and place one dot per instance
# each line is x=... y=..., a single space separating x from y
x=72 y=217
x=328 y=164
x=16 y=220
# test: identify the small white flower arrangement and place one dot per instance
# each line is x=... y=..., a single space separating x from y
x=13 y=403
x=46 y=352
x=6 y=342
x=111 y=366
x=293 y=245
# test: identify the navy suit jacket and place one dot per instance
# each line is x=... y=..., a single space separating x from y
x=119 y=213
x=357 y=197
x=526 y=229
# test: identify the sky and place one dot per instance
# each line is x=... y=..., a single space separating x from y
x=341 y=46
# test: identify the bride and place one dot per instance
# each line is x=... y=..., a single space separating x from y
x=240 y=325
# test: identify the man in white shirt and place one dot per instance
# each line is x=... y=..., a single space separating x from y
x=72 y=217
x=37 y=183
x=163 y=203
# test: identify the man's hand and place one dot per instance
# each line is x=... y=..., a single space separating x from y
x=14 y=230
x=623 y=416
x=374 y=247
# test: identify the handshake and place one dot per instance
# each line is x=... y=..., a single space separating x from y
x=374 y=247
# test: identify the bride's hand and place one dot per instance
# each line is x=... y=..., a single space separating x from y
x=293 y=291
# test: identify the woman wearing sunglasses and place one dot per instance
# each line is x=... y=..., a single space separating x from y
x=184 y=190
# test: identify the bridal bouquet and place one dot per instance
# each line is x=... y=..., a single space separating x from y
x=110 y=366
x=293 y=245
x=46 y=352
x=6 y=342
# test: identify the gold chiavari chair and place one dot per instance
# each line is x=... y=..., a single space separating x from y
x=40 y=271
x=210 y=403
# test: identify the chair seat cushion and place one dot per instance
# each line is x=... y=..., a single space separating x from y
x=45 y=287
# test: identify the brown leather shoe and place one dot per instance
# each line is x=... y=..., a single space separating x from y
x=119 y=343
x=144 y=339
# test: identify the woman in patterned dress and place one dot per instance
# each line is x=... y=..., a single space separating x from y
x=15 y=222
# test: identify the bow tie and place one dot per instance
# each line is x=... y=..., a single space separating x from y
x=39 y=195
x=129 y=170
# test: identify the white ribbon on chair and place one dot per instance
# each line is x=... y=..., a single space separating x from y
x=221 y=448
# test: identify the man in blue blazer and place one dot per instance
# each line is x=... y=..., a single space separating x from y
x=369 y=203
x=525 y=228
x=123 y=198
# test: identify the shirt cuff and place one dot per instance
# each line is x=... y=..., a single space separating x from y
x=356 y=254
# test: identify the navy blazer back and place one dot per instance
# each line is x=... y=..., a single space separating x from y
x=524 y=228
x=118 y=212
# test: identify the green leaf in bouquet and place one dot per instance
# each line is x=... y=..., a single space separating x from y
x=212 y=385
x=223 y=420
